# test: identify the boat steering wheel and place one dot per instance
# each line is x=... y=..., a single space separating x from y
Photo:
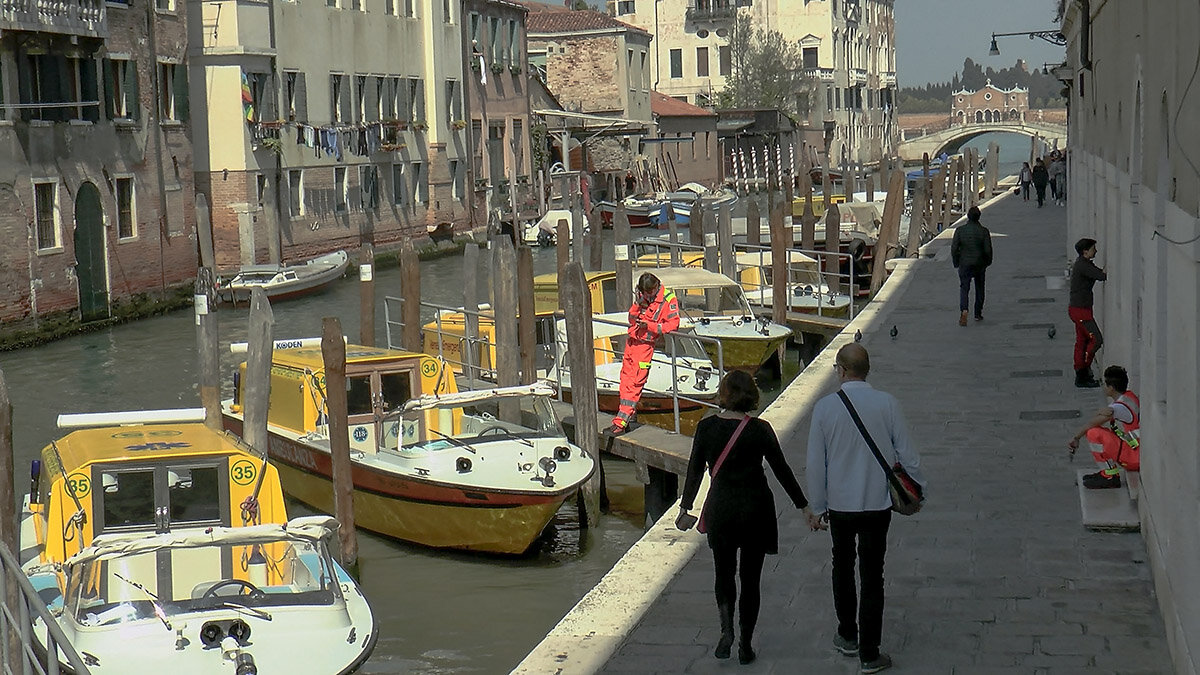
x=252 y=590
x=495 y=429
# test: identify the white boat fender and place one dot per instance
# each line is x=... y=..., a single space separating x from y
x=256 y=567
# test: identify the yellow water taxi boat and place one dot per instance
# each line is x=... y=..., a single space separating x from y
x=161 y=545
x=430 y=465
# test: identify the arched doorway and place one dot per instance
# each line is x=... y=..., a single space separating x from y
x=91 y=263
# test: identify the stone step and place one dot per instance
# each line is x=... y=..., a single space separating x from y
x=1107 y=510
x=1133 y=483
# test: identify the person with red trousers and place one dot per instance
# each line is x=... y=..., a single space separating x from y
x=1088 y=339
x=654 y=313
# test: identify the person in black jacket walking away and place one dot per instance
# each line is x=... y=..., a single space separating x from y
x=1084 y=275
x=971 y=253
x=1041 y=178
x=739 y=512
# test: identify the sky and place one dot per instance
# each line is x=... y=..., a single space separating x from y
x=934 y=36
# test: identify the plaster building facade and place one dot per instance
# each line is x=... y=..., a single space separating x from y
x=1134 y=186
x=847 y=46
x=989 y=104
x=327 y=125
x=600 y=66
x=498 y=101
x=97 y=214
x=687 y=141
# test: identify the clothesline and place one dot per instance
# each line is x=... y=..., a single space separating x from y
x=361 y=140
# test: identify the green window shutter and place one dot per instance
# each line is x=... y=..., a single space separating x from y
x=181 y=93
x=301 y=99
x=131 y=90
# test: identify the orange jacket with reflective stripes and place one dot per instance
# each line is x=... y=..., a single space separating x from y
x=661 y=317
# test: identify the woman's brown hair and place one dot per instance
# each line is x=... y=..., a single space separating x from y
x=738 y=392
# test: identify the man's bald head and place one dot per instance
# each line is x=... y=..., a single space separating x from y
x=854 y=360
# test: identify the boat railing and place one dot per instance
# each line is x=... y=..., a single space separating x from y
x=473 y=354
x=833 y=280
x=19 y=606
x=656 y=247
x=673 y=349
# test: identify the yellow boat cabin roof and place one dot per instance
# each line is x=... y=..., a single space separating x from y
x=144 y=443
x=311 y=357
x=551 y=279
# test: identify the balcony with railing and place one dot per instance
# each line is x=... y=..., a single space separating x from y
x=85 y=18
x=714 y=10
x=819 y=74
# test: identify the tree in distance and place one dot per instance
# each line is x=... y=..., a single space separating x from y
x=766 y=71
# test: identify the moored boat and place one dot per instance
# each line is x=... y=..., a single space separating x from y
x=482 y=471
x=718 y=308
x=280 y=282
x=681 y=370
x=162 y=545
x=641 y=211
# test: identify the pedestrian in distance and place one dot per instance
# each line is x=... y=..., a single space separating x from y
x=1041 y=178
x=849 y=490
x=1025 y=178
x=1058 y=179
x=1088 y=339
x=739 y=512
x=971 y=253
x=1113 y=433
x=654 y=313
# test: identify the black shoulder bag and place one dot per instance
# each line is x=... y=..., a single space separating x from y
x=906 y=492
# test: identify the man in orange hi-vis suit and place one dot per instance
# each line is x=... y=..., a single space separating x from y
x=654 y=313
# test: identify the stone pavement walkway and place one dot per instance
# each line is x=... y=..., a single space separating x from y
x=996 y=574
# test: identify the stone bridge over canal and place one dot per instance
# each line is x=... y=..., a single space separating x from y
x=951 y=139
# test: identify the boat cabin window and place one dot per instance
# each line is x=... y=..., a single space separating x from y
x=396 y=389
x=194 y=493
x=358 y=395
x=159 y=497
x=128 y=498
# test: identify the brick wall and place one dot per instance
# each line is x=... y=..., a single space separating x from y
x=323 y=226
x=162 y=254
x=584 y=73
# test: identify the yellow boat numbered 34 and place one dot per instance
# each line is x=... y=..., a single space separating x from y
x=477 y=470
x=163 y=546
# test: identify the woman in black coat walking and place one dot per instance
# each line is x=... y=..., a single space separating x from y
x=739 y=512
x=1041 y=177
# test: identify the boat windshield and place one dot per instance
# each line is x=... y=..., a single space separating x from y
x=524 y=417
x=686 y=346
x=727 y=300
x=177 y=580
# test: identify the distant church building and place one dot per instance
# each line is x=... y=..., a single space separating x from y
x=989 y=104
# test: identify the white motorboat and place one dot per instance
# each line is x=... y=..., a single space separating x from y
x=286 y=281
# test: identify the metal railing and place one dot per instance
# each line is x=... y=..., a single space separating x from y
x=822 y=293
x=26 y=660
x=473 y=356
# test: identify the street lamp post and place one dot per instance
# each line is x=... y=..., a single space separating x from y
x=1054 y=37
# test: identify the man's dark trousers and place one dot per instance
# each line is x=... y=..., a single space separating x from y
x=967 y=273
x=870 y=529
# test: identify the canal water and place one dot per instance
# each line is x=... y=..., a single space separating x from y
x=438 y=612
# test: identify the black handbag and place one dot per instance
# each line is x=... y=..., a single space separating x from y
x=905 y=492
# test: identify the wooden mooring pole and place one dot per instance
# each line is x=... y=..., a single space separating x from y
x=833 y=246
x=725 y=242
x=562 y=253
x=366 y=295
x=580 y=346
x=525 y=315
x=470 y=354
x=753 y=224
x=257 y=387
x=623 y=259
x=508 y=353
x=9 y=535
x=696 y=223
x=889 y=232
x=779 y=255
x=410 y=307
x=712 y=260
x=207 y=348
x=333 y=351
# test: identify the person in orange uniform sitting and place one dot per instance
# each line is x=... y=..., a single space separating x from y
x=1114 y=429
x=654 y=313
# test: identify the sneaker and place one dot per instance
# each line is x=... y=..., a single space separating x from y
x=1100 y=481
x=979 y=317
x=847 y=647
x=882 y=663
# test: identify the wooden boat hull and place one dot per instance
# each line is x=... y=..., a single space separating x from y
x=424 y=511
